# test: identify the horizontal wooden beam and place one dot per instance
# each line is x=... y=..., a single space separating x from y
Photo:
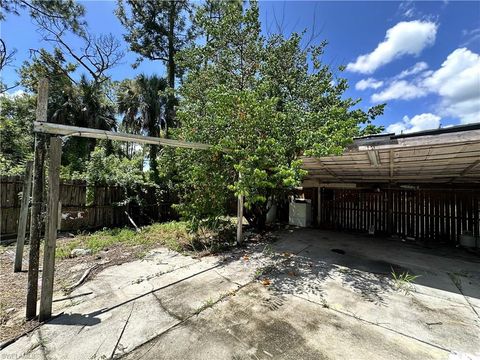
x=429 y=141
x=470 y=168
x=66 y=130
x=373 y=178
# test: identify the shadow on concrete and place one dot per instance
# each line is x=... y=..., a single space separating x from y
x=76 y=319
x=305 y=275
x=366 y=265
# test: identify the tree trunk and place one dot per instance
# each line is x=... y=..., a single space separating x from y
x=170 y=108
x=154 y=164
x=257 y=216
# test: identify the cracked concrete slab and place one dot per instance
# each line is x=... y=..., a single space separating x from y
x=309 y=303
x=256 y=325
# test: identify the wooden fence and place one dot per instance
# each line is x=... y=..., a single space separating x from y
x=439 y=216
x=106 y=208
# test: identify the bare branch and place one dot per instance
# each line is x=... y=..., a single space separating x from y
x=40 y=11
x=314 y=34
x=6 y=57
x=53 y=67
x=96 y=57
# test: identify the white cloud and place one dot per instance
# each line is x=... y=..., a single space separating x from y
x=420 y=122
x=369 y=83
x=407 y=37
x=407 y=9
x=415 y=69
x=399 y=90
x=471 y=36
x=456 y=82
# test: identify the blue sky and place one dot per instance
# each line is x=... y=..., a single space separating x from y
x=421 y=58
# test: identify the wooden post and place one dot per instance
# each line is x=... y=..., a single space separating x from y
x=319 y=206
x=51 y=229
x=37 y=202
x=239 y=219
x=239 y=216
x=22 y=221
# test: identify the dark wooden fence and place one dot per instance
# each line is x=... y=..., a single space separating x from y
x=439 y=216
x=106 y=206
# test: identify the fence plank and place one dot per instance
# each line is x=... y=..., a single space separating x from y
x=433 y=216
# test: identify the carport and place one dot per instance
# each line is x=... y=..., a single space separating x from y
x=422 y=186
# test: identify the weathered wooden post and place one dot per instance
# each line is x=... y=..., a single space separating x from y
x=51 y=228
x=239 y=216
x=22 y=221
x=37 y=202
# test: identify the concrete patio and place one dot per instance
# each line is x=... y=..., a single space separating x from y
x=292 y=299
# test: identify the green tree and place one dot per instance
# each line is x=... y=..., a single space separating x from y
x=142 y=102
x=158 y=30
x=71 y=102
x=113 y=170
x=264 y=102
x=67 y=11
x=17 y=113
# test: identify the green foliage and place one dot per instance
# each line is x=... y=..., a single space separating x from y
x=142 y=103
x=65 y=11
x=404 y=281
x=84 y=104
x=155 y=29
x=262 y=103
x=158 y=30
x=17 y=114
x=173 y=234
x=114 y=170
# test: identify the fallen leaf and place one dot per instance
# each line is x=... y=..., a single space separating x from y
x=266 y=282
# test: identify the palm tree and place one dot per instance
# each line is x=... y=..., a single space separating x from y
x=86 y=105
x=142 y=103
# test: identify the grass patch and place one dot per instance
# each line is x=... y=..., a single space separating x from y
x=404 y=281
x=174 y=235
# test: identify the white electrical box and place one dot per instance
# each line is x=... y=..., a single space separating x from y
x=300 y=214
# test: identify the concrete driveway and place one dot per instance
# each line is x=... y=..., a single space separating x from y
x=293 y=299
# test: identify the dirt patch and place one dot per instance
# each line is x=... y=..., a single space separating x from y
x=68 y=271
x=13 y=286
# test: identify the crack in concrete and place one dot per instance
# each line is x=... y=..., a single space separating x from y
x=375 y=324
x=123 y=330
x=228 y=279
x=305 y=248
x=41 y=344
x=459 y=287
x=160 y=273
x=164 y=308
x=156 y=338
x=94 y=356
x=79 y=331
